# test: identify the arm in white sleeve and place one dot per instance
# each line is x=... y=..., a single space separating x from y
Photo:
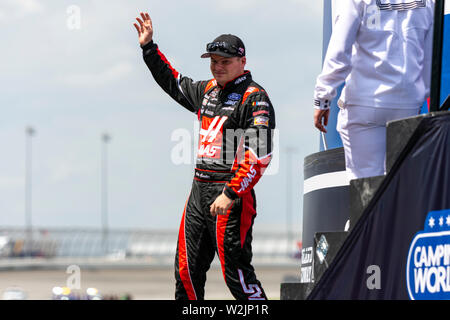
x=337 y=63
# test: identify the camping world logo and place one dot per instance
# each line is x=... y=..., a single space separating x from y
x=428 y=267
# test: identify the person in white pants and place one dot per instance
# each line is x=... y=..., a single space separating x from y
x=382 y=50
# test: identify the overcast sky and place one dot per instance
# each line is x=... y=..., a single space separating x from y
x=73 y=77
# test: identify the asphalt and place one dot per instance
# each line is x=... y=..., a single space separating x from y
x=144 y=283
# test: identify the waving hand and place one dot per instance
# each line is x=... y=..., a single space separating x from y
x=144 y=29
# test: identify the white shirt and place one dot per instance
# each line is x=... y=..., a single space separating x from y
x=382 y=53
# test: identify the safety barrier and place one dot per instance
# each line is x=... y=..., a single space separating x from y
x=123 y=244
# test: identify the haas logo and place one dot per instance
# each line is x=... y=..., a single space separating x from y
x=248 y=179
x=211 y=137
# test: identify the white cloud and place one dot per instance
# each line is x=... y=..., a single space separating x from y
x=65 y=170
x=89 y=79
x=312 y=8
x=11 y=182
x=239 y=5
x=14 y=9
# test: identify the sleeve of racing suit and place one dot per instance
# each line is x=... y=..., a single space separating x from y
x=255 y=151
x=337 y=62
x=182 y=89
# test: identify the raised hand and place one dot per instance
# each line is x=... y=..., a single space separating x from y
x=145 y=29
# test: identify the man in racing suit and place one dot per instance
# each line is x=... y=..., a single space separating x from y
x=235 y=147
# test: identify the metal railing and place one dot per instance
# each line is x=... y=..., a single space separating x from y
x=85 y=242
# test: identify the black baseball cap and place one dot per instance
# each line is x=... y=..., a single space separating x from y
x=226 y=45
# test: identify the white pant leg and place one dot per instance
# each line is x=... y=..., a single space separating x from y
x=363 y=134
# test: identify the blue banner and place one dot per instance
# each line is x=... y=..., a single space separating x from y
x=428 y=266
x=445 y=76
x=332 y=137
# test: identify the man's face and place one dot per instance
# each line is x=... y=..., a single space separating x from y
x=225 y=69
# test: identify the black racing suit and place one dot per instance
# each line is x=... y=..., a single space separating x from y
x=235 y=147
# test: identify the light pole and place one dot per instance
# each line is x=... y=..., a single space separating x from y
x=289 y=174
x=104 y=192
x=29 y=133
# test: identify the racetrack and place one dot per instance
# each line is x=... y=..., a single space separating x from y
x=150 y=283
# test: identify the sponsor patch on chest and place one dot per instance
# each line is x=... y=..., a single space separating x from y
x=261 y=121
x=211 y=132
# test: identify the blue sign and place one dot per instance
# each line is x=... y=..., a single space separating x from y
x=428 y=264
x=332 y=137
x=445 y=76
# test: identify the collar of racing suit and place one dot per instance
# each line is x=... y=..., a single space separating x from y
x=231 y=85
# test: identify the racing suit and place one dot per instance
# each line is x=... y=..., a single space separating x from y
x=235 y=147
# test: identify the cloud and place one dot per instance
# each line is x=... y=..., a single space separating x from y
x=16 y=9
x=313 y=8
x=11 y=182
x=65 y=171
x=249 y=6
x=239 y=5
x=90 y=79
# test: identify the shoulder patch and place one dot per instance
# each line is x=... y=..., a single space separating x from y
x=260 y=112
x=248 y=92
x=210 y=85
x=261 y=121
x=260 y=103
